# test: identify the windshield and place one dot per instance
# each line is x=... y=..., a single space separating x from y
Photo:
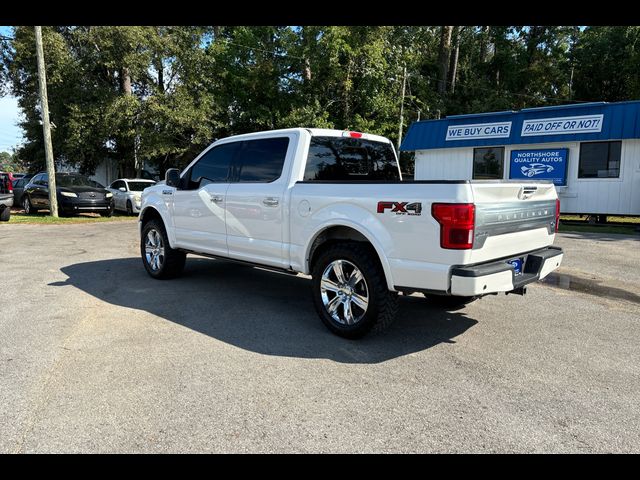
x=74 y=181
x=139 y=186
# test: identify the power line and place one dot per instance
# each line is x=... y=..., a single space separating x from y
x=477 y=87
x=264 y=50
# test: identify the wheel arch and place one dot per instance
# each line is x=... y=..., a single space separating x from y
x=345 y=231
x=151 y=212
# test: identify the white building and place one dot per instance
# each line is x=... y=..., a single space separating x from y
x=107 y=172
x=590 y=151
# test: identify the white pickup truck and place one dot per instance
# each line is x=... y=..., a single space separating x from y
x=332 y=204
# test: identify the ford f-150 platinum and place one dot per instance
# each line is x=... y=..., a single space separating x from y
x=332 y=204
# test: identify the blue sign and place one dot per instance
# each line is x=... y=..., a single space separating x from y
x=547 y=164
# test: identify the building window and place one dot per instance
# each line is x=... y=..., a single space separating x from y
x=488 y=163
x=600 y=160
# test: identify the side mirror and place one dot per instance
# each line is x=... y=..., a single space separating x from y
x=122 y=189
x=172 y=177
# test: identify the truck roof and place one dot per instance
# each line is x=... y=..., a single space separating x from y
x=316 y=132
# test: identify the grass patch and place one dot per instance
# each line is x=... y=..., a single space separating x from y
x=44 y=218
x=619 y=229
x=610 y=219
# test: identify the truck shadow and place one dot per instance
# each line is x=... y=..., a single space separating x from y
x=259 y=310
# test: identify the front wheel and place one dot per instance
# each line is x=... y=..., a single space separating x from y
x=5 y=214
x=159 y=259
x=28 y=208
x=350 y=291
x=129 y=208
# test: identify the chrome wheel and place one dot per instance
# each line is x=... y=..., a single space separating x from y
x=344 y=292
x=154 y=250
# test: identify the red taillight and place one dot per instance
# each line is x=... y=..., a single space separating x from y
x=557 y=213
x=353 y=134
x=456 y=224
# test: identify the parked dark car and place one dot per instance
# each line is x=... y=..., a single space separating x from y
x=6 y=197
x=18 y=188
x=75 y=194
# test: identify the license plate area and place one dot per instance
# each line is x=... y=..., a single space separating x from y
x=518 y=265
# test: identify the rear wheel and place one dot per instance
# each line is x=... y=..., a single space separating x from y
x=350 y=291
x=159 y=259
x=5 y=214
x=28 y=208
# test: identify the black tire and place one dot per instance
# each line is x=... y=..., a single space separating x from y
x=108 y=213
x=129 y=208
x=451 y=302
x=382 y=304
x=29 y=209
x=5 y=214
x=173 y=260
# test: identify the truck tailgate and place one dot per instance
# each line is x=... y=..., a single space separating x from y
x=512 y=218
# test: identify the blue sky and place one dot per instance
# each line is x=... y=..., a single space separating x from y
x=10 y=133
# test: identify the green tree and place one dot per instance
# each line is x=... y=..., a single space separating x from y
x=607 y=64
x=162 y=93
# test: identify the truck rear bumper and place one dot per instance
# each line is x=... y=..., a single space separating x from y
x=500 y=276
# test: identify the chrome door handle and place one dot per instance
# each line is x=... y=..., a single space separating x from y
x=217 y=198
x=271 y=202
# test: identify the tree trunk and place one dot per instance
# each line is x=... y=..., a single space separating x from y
x=496 y=60
x=455 y=52
x=443 y=57
x=346 y=97
x=125 y=146
x=484 y=43
x=306 y=69
x=533 y=40
x=125 y=81
x=160 y=70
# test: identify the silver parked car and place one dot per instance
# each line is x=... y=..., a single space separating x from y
x=127 y=193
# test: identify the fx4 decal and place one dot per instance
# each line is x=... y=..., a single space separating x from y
x=401 y=208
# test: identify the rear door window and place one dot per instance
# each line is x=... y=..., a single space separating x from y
x=261 y=161
x=343 y=159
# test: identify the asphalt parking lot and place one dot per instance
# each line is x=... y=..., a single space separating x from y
x=95 y=356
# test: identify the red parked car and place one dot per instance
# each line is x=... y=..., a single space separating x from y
x=6 y=197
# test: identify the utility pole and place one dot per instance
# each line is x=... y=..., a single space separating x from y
x=404 y=83
x=46 y=127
